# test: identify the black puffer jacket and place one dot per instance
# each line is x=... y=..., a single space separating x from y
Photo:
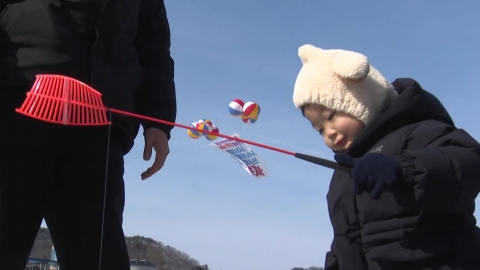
x=427 y=222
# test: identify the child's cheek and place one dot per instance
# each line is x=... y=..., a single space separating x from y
x=327 y=142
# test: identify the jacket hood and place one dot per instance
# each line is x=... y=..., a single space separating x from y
x=413 y=105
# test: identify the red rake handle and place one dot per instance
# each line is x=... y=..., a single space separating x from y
x=199 y=130
x=316 y=160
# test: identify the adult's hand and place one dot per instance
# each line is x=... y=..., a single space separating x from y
x=157 y=140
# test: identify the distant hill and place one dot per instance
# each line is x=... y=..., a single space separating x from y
x=139 y=247
x=310 y=268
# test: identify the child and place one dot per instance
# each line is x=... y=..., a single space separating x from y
x=415 y=175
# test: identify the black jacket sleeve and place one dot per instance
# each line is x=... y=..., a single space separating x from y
x=331 y=260
x=441 y=162
x=157 y=97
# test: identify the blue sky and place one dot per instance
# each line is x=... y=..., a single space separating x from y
x=202 y=202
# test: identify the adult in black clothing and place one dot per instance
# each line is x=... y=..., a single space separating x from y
x=59 y=173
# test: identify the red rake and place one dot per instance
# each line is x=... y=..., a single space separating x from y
x=63 y=100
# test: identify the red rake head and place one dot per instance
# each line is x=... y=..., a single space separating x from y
x=63 y=100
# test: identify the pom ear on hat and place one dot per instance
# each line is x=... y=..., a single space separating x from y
x=350 y=65
x=308 y=52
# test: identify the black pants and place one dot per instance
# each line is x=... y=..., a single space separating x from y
x=58 y=173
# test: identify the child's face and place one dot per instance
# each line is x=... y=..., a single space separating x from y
x=337 y=128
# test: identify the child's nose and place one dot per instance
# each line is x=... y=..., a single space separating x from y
x=331 y=134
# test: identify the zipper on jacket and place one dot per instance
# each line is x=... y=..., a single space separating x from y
x=3 y=10
x=95 y=42
x=99 y=15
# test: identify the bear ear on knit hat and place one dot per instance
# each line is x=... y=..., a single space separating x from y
x=308 y=52
x=347 y=65
x=350 y=65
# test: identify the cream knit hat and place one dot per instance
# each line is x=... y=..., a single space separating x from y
x=342 y=81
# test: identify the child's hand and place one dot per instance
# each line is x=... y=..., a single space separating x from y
x=372 y=173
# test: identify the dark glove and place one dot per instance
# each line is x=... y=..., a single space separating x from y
x=373 y=173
